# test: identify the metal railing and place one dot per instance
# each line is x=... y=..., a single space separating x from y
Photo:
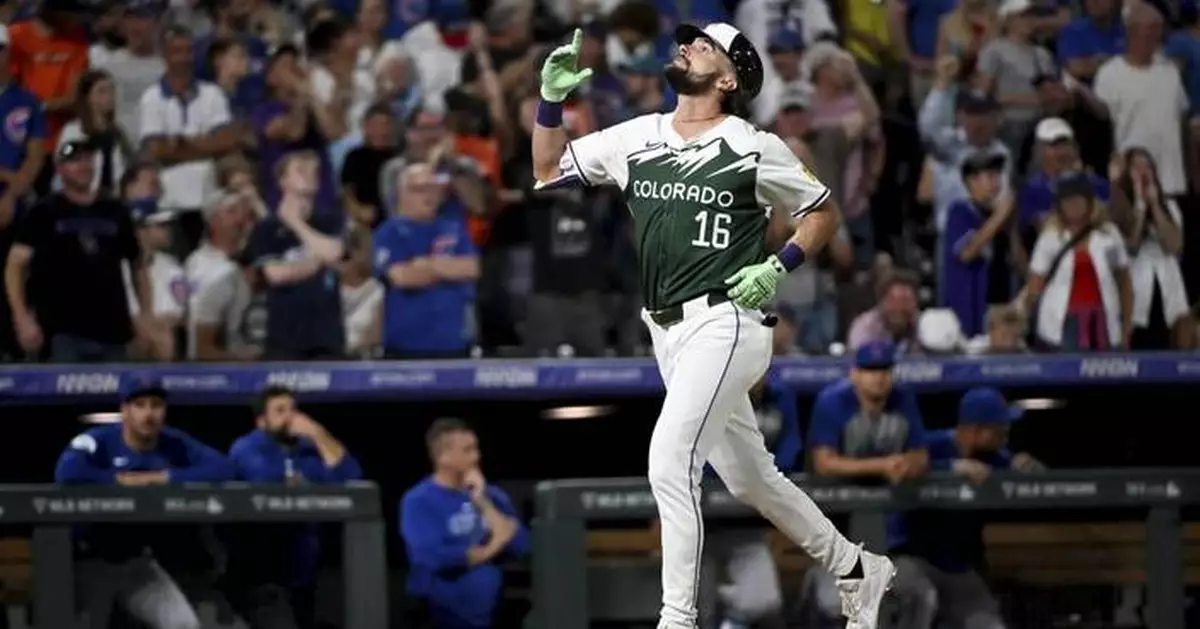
x=564 y=508
x=53 y=509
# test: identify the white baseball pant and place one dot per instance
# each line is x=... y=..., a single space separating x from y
x=709 y=361
x=141 y=587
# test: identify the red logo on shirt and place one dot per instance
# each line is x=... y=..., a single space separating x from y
x=444 y=244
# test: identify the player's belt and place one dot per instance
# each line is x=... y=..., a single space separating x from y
x=671 y=315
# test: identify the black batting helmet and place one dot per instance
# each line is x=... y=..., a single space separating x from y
x=746 y=62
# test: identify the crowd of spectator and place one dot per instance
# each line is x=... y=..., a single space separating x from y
x=246 y=179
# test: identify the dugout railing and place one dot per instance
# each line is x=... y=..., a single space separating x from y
x=562 y=594
x=52 y=510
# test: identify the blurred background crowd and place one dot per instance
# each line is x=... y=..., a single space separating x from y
x=245 y=179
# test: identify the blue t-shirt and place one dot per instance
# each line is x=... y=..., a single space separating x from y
x=924 y=16
x=779 y=403
x=24 y=121
x=430 y=318
x=305 y=317
x=438 y=525
x=950 y=540
x=838 y=422
x=1082 y=37
x=1037 y=198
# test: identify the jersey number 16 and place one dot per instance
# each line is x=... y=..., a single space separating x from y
x=712 y=230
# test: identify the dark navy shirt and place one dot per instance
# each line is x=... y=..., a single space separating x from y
x=438 y=525
x=271 y=151
x=431 y=318
x=305 y=317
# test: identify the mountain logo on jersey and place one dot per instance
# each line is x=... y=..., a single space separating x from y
x=710 y=174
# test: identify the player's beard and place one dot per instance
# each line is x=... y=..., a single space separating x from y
x=684 y=82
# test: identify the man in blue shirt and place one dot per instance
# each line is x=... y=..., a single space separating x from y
x=22 y=154
x=274 y=567
x=977 y=246
x=139 y=451
x=944 y=548
x=864 y=428
x=455 y=526
x=297 y=252
x=1085 y=43
x=429 y=265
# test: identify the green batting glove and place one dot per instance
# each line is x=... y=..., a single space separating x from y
x=755 y=285
x=560 y=73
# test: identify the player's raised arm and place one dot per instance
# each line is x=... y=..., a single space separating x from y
x=560 y=75
x=786 y=185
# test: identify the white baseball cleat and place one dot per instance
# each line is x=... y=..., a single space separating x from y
x=861 y=598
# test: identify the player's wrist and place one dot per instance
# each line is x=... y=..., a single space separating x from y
x=790 y=257
x=550 y=111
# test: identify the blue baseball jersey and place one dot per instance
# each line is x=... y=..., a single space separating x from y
x=96 y=457
x=950 y=540
x=430 y=318
x=439 y=525
x=23 y=121
x=780 y=415
x=294 y=549
x=839 y=422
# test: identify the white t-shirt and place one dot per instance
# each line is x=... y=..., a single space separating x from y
x=1153 y=267
x=324 y=86
x=132 y=76
x=360 y=307
x=168 y=287
x=1106 y=248
x=438 y=65
x=1147 y=106
x=219 y=295
x=188 y=185
x=781 y=180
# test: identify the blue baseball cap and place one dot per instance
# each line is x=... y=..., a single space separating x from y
x=146 y=211
x=987 y=406
x=135 y=387
x=785 y=40
x=876 y=355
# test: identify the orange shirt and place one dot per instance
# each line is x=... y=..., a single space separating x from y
x=486 y=152
x=48 y=64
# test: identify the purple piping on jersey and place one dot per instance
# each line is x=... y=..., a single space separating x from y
x=692 y=457
x=549 y=114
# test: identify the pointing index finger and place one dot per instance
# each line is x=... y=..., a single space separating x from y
x=577 y=40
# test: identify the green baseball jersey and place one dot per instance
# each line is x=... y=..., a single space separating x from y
x=700 y=207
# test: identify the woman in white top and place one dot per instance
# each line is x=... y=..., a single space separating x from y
x=1080 y=271
x=96 y=122
x=1154 y=235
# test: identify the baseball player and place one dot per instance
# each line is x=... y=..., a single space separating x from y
x=696 y=182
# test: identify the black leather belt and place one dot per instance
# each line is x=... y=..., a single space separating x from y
x=671 y=315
